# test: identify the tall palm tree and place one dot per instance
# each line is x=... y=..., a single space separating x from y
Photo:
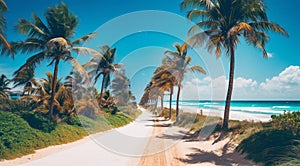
x=223 y=23
x=4 y=86
x=179 y=66
x=5 y=45
x=51 y=40
x=102 y=65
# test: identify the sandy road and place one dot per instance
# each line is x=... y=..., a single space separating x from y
x=159 y=150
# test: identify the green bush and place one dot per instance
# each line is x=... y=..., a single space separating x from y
x=114 y=111
x=38 y=121
x=287 y=121
x=272 y=147
x=74 y=120
x=18 y=138
x=130 y=111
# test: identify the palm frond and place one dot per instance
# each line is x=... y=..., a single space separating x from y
x=83 y=38
x=195 y=14
x=25 y=27
x=77 y=66
x=87 y=51
x=268 y=26
x=32 y=62
x=197 y=69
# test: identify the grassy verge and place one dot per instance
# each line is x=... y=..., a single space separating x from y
x=22 y=134
x=273 y=143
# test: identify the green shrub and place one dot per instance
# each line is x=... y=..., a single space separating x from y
x=272 y=147
x=287 y=121
x=38 y=121
x=132 y=112
x=114 y=111
x=18 y=138
x=74 y=120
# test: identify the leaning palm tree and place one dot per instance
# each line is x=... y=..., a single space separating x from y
x=165 y=81
x=104 y=66
x=4 y=44
x=223 y=23
x=51 y=40
x=146 y=95
x=4 y=86
x=179 y=66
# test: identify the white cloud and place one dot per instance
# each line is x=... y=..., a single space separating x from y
x=270 y=55
x=286 y=85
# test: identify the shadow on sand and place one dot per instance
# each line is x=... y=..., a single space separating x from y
x=225 y=158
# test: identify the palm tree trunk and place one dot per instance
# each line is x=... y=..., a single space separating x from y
x=162 y=102
x=229 y=91
x=170 y=106
x=53 y=90
x=102 y=88
x=155 y=106
x=177 y=102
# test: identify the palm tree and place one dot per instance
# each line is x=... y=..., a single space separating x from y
x=5 y=45
x=166 y=82
x=120 y=88
x=223 y=23
x=51 y=41
x=102 y=65
x=179 y=66
x=4 y=86
x=41 y=93
x=146 y=96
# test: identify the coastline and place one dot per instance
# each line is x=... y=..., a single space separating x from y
x=234 y=115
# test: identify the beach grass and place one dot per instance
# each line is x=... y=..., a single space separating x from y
x=19 y=135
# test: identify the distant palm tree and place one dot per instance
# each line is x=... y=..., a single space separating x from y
x=179 y=66
x=120 y=88
x=23 y=77
x=51 y=41
x=222 y=24
x=41 y=93
x=166 y=82
x=4 y=86
x=5 y=45
x=102 y=65
x=146 y=95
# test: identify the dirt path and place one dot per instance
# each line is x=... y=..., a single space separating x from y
x=160 y=151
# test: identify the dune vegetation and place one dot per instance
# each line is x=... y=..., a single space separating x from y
x=269 y=143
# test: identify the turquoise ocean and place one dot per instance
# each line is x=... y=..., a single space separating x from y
x=255 y=107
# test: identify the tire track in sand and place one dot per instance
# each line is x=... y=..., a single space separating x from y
x=155 y=152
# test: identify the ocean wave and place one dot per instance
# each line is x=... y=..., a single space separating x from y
x=282 y=107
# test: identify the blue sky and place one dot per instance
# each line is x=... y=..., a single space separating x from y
x=254 y=74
